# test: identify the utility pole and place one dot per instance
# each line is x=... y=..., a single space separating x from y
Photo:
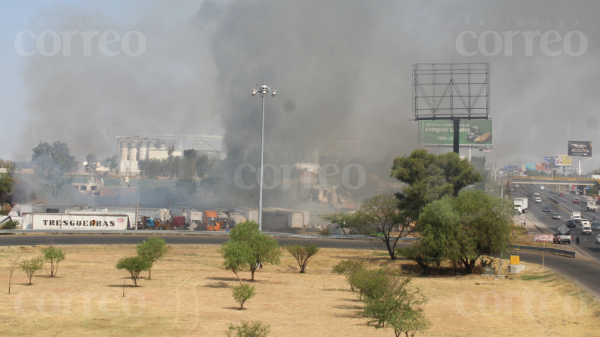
x=137 y=207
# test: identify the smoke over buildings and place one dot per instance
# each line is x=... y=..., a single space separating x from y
x=342 y=70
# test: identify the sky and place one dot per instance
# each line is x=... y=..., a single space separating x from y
x=342 y=70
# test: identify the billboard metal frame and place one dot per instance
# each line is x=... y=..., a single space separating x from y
x=469 y=82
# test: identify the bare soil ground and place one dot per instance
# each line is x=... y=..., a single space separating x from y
x=189 y=295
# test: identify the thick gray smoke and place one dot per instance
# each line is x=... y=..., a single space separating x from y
x=342 y=70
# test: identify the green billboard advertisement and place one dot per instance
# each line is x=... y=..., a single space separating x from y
x=441 y=132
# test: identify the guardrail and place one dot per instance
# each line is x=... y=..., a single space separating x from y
x=188 y=232
x=553 y=251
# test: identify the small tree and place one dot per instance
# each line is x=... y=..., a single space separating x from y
x=303 y=253
x=259 y=248
x=242 y=293
x=11 y=271
x=54 y=255
x=248 y=329
x=347 y=268
x=31 y=266
x=236 y=256
x=134 y=265
x=152 y=250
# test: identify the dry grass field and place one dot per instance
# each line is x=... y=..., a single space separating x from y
x=189 y=295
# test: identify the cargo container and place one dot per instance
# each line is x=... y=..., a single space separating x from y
x=274 y=219
x=249 y=213
x=32 y=207
x=105 y=221
x=130 y=215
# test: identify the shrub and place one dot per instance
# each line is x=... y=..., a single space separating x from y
x=31 y=266
x=54 y=255
x=152 y=250
x=134 y=265
x=303 y=253
x=248 y=329
x=9 y=224
x=372 y=284
x=325 y=231
x=243 y=293
x=347 y=268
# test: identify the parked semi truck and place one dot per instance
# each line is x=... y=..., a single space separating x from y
x=591 y=205
x=521 y=204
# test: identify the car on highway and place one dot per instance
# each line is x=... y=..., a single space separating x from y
x=537 y=194
x=551 y=191
x=570 y=223
x=595 y=226
x=556 y=216
x=538 y=200
x=586 y=230
x=572 y=192
x=529 y=195
x=561 y=195
x=546 y=209
x=598 y=239
x=576 y=201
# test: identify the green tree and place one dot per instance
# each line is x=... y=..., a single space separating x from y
x=112 y=163
x=54 y=256
x=303 y=253
x=383 y=219
x=465 y=227
x=134 y=265
x=351 y=223
x=92 y=164
x=248 y=329
x=152 y=250
x=243 y=293
x=9 y=224
x=51 y=163
x=430 y=177
x=31 y=266
x=259 y=248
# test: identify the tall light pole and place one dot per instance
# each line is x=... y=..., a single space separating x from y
x=264 y=90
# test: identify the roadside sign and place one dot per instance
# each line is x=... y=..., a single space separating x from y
x=514 y=260
x=543 y=238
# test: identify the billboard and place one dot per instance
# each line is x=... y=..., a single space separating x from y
x=562 y=160
x=511 y=168
x=530 y=166
x=543 y=166
x=80 y=221
x=578 y=148
x=441 y=132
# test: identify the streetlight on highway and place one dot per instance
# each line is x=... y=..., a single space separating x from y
x=263 y=91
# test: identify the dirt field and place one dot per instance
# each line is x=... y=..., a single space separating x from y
x=189 y=295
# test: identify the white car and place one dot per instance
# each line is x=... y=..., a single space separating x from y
x=538 y=200
x=598 y=239
x=536 y=194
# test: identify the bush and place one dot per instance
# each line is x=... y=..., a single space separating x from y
x=31 y=266
x=9 y=224
x=372 y=284
x=303 y=253
x=325 y=231
x=152 y=250
x=54 y=255
x=134 y=265
x=242 y=293
x=347 y=268
x=248 y=329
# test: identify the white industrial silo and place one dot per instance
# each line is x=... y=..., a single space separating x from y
x=163 y=146
x=133 y=151
x=124 y=150
x=143 y=151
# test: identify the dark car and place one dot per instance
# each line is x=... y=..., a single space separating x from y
x=571 y=223
x=561 y=195
x=551 y=191
x=595 y=226
x=572 y=192
x=546 y=209
x=576 y=201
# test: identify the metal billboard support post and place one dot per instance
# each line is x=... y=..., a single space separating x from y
x=456 y=136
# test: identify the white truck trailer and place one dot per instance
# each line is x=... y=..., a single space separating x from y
x=591 y=205
x=521 y=204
